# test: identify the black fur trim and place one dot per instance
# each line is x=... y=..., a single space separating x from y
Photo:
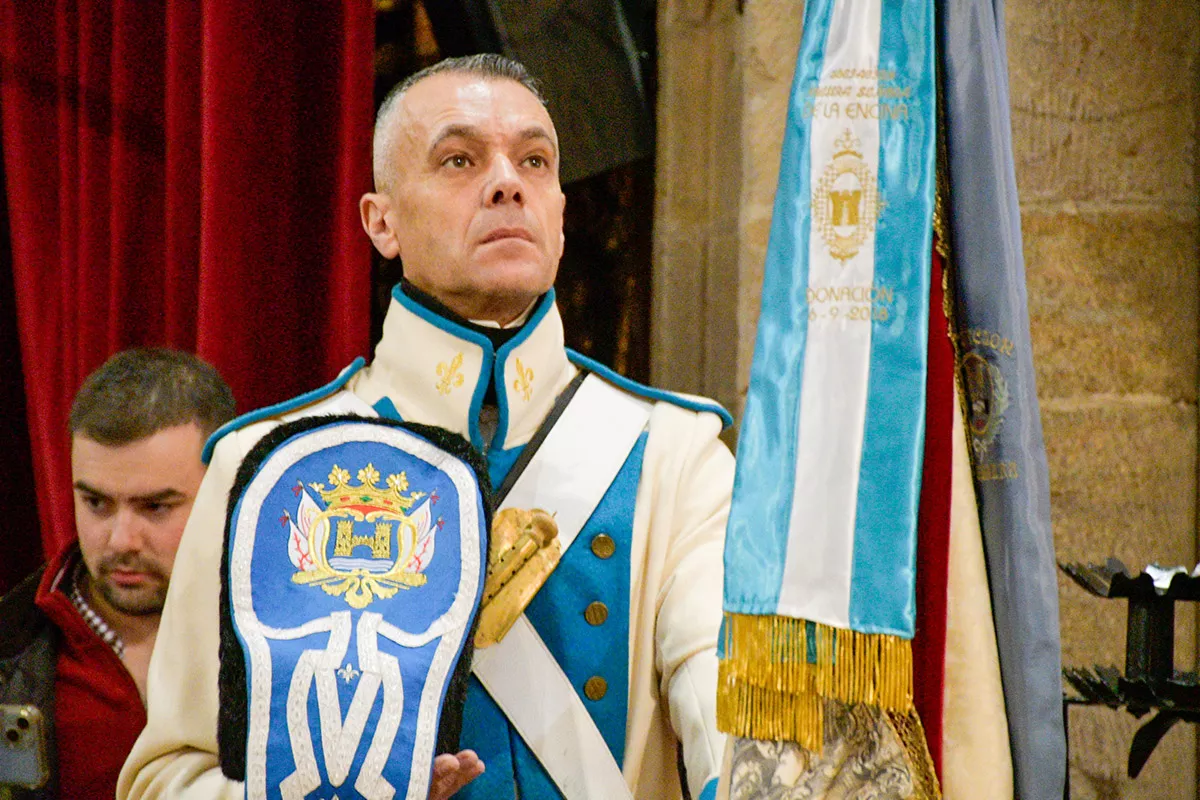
x=233 y=689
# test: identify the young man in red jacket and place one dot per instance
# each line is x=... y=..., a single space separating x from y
x=76 y=637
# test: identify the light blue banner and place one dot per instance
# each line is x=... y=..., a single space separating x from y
x=823 y=521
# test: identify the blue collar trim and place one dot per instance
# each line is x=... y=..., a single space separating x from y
x=649 y=392
x=279 y=408
x=531 y=324
x=461 y=332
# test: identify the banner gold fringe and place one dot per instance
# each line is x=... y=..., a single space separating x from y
x=776 y=671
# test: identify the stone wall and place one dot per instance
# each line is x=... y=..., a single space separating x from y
x=1104 y=105
x=1105 y=102
x=697 y=150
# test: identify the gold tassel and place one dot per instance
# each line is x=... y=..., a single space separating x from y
x=770 y=688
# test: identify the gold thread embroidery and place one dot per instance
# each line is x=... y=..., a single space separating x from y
x=846 y=202
x=524 y=381
x=373 y=508
x=451 y=378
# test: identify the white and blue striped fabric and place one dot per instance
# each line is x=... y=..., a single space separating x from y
x=824 y=517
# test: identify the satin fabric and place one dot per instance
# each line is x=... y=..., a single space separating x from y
x=823 y=522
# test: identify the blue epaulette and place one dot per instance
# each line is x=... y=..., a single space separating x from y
x=281 y=408
x=649 y=392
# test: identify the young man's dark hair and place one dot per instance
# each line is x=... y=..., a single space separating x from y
x=76 y=637
x=138 y=392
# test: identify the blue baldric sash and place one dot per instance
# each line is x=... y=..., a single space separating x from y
x=1004 y=422
x=353 y=571
x=567 y=477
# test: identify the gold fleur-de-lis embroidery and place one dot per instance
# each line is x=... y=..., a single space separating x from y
x=451 y=378
x=524 y=381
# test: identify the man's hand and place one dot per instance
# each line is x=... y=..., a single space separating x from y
x=453 y=772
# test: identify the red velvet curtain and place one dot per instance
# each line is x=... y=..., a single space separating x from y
x=183 y=174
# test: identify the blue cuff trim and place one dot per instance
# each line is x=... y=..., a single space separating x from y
x=709 y=792
x=280 y=408
x=386 y=408
x=649 y=392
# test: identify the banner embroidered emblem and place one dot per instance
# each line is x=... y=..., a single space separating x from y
x=378 y=547
x=845 y=202
x=988 y=394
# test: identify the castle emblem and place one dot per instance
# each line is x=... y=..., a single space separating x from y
x=845 y=201
x=367 y=543
x=987 y=395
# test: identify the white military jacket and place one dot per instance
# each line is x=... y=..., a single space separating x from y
x=430 y=370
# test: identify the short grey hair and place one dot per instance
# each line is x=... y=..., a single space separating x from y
x=491 y=66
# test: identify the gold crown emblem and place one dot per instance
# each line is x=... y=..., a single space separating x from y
x=847 y=145
x=367 y=493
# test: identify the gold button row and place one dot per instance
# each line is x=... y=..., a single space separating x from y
x=596 y=613
x=603 y=546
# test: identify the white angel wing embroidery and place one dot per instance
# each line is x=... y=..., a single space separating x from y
x=307 y=512
x=298 y=550
x=422 y=520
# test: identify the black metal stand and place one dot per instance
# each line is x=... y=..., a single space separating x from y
x=1150 y=682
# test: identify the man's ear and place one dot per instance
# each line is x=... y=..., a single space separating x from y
x=562 y=234
x=373 y=208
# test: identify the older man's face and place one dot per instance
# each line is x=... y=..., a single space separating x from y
x=475 y=209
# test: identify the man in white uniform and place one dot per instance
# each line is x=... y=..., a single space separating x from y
x=467 y=195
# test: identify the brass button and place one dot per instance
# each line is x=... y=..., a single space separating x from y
x=603 y=545
x=596 y=613
x=595 y=688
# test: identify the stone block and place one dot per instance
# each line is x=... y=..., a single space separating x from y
x=1103 y=99
x=1113 y=303
x=1099 y=744
x=770 y=40
x=756 y=226
x=1123 y=481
